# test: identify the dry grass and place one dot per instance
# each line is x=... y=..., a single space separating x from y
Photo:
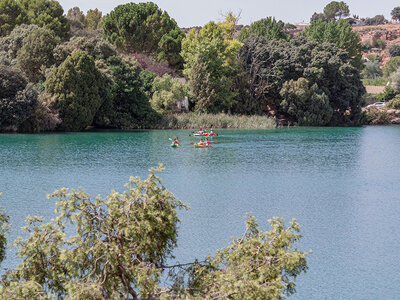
x=195 y=121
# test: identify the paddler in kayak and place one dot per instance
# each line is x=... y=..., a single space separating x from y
x=176 y=141
x=207 y=142
x=201 y=143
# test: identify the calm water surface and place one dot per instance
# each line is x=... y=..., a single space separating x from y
x=342 y=185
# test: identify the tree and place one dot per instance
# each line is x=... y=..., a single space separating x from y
x=11 y=44
x=395 y=13
x=37 y=53
x=47 y=13
x=391 y=66
x=170 y=47
x=11 y=15
x=141 y=28
x=210 y=63
x=271 y=64
x=75 y=84
x=308 y=104
x=335 y=10
x=93 y=19
x=117 y=248
x=318 y=16
x=372 y=70
x=129 y=105
x=339 y=33
x=394 y=50
x=166 y=92
x=268 y=28
x=17 y=98
x=75 y=14
x=377 y=20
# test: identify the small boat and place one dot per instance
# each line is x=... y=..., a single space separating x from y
x=203 y=134
x=202 y=146
x=175 y=146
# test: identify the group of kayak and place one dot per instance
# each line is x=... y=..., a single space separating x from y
x=202 y=132
x=203 y=143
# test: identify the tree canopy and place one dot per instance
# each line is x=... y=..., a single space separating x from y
x=11 y=15
x=326 y=72
x=75 y=84
x=210 y=63
x=339 y=33
x=144 y=28
x=335 y=9
x=17 y=98
x=269 y=28
x=166 y=91
x=119 y=247
x=47 y=13
x=395 y=13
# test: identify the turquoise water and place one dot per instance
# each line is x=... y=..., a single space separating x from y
x=342 y=185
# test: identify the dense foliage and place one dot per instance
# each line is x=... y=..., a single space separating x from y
x=327 y=71
x=17 y=98
x=391 y=66
x=395 y=13
x=372 y=70
x=144 y=28
x=47 y=13
x=210 y=64
x=75 y=84
x=11 y=15
x=165 y=92
x=339 y=33
x=269 y=28
x=36 y=53
x=118 y=248
x=394 y=50
x=377 y=20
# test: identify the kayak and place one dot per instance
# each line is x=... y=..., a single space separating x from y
x=203 y=134
x=175 y=146
x=202 y=146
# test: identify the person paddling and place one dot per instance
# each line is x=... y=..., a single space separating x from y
x=176 y=141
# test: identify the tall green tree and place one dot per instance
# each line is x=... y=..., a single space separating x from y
x=17 y=98
x=268 y=28
x=339 y=33
x=210 y=63
x=11 y=15
x=76 y=14
x=395 y=13
x=336 y=9
x=75 y=84
x=47 y=13
x=141 y=28
x=37 y=53
x=129 y=106
x=93 y=19
x=118 y=248
x=391 y=66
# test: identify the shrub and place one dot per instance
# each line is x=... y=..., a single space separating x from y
x=394 y=103
x=75 y=84
x=394 y=50
x=17 y=98
x=371 y=70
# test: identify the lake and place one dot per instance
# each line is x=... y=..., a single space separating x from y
x=341 y=184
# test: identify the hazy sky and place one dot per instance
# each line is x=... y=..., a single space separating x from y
x=189 y=13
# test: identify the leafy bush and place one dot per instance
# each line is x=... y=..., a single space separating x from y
x=166 y=92
x=394 y=103
x=75 y=84
x=391 y=66
x=394 y=50
x=372 y=70
x=17 y=98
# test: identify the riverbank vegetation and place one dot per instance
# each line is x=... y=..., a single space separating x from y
x=106 y=72
x=120 y=247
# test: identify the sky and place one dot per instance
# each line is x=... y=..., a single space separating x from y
x=188 y=13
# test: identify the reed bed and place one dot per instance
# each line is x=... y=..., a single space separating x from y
x=195 y=121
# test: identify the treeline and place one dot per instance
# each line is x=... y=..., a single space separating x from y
x=68 y=72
